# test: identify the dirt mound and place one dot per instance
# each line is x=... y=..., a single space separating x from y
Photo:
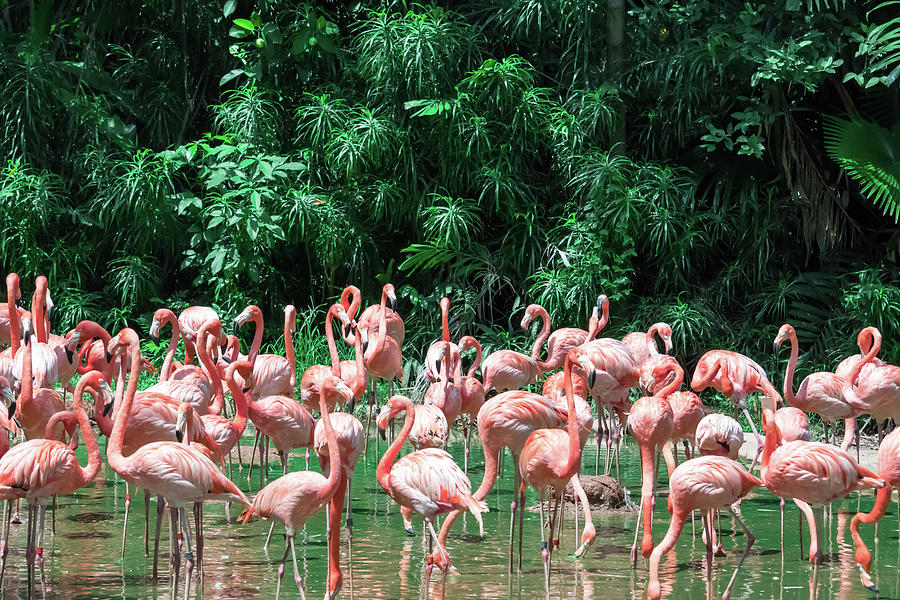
x=601 y=490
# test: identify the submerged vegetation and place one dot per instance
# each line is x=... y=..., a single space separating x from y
x=725 y=166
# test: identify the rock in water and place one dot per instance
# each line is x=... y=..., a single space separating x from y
x=601 y=490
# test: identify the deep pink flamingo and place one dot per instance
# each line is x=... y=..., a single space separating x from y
x=445 y=392
x=549 y=459
x=559 y=343
x=819 y=392
x=381 y=352
x=510 y=370
x=172 y=470
x=427 y=481
x=188 y=373
x=810 y=473
x=34 y=409
x=889 y=471
x=719 y=435
x=65 y=366
x=874 y=391
x=643 y=345
x=40 y=468
x=865 y=339
x=472 y=393
x=294 y=497
x=8 y=356
x=706 y=483
x=44 y=365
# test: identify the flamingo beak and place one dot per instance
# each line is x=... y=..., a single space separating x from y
x=592 y=378
x=154 y=331
x=393 y=298
x=8 y=396
x=12 y=408
x=381 y=432
x=179 y=436
x=364 y=333
x=107 y=409
x=225 y=358
x=866 y=579
x=351 y=404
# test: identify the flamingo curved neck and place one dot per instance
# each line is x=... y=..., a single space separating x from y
x=574 y=461
x=382 y=323
x=383 y=473
x=26 y=386
x=542 y=337
x=240 y=403
x=332 y=347
x=15 y=334
x=848 y=388
x=351 y=307
x=334 y=454
x=290 y=319
x=445 y=323
x=674 y=384
x=89 y=472
x=117 y=439
x=257 y=338
x=166 y=369
x=788 y=386
x=204 y=339
x=882 y=502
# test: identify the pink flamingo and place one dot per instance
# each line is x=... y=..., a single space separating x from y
x=889 y=471
x=445 y=393
x=92 y=340
x=471 y=393
x=617 y=372
x=559 y=343
x=877 y=391
x=719 y=435
x=282 y=419
x=745 y=377
x=8 y=356
x=190 y=321
x=313 y=377
x=643 y=345
x=294 y=497
x=427 y=481
x=435 y=353
x=706 y=483
x=172 y=470
x=350 y=437
x=509 y=370
x=45 y=369
x=371 y=318
x=549 y=459
x=351 y=307
x=273 y=374
x=819 y=393
x=810 y=473
x=687 y=407
x=792 y=424
x=382 y=355
x=865 y=338
x=33 y=410
x=188 y=373
x=40 y=468
x=65 y=366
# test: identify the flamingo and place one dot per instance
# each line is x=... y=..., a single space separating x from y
x=190 y=321
x=471 y=393
x=889 y=471
x=188 y=373
x=866 y=338
x=705 y=483
x=429 y=430
x=643 y=345
x=819 y=392
x=282 y=419
x=350 y=307
x=550 y=458
x=33 y=410
x=41 y=468
x=8 y=356
x=45 y=369
x=687 y=408
x=719 y=435
x=294 y=497
x=371 y=318
x=92 y=339
x=313 y=377
x=810 y=473
x=273 y=374
x=382 y=355
x=445 y=392
x=350 y=437
x=172 y=470
x=509 y=370
x=435 y=353
x=65 y=367
x=745 y=377
x=559 y=343
x=427 y=481
x=877 y=392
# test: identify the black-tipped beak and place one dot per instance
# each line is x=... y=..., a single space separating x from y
x=50 y=312
x=12 y=408
x=107 y=410
x=246 y=390
x=236 y=327
x=775 y=347
x=226 y=360
x=179 y=436
x=437 y=368
x=155 y=338
x=27 y=336
x=351 y=404
x=365 y=346
x=70 y=355
x=381 y=433
x=410 y=532
x=393 y=304
x=592 y=378
x=600 y=303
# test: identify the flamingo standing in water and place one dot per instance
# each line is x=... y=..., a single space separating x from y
x=745 y=377
x=687 y=408
x=819 y=393
x=810 y=473
x=273 y=374
x=427 y=481
x=865 y=339
x=435 y=353
x=40 y=468
x=294 y=497
x=706 y=483
x=445 y=392
x=877 y=392
x=550 y=458
x=889 y=471
x=350 y=437
x=382 y=355
x=172 y=470
x=313 y=377
x=471 y=391
x=33 y=410
x=188 y=373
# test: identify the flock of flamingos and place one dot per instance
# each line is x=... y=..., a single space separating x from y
x=172 y=439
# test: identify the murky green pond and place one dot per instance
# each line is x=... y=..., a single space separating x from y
x=83 y=557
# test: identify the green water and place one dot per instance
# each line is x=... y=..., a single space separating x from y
x=83 y=557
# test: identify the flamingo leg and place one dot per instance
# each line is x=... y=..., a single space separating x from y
x=707 y=529
x=252 y=456
x=297 y=578
x=599 y=436
x=29 y=550
x=269 y=535
x=125 y=521
x=188 y=554
x=759 y=440
x=466 y=449
x=815 y=555
x=637 y=530
x=349 y=509
x=4 y=545
x=146 y=522
x=287 y=548
x=160 y=511
x=750 y=539
x=174 y=545
x=545 y=555
x=39 y=548
x=53 y=516
x=198 y=523
x=521 y=525
x=264 y=454
x=513 y=508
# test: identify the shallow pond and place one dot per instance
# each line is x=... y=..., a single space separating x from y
x=83 y=557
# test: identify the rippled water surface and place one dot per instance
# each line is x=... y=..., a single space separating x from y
x=83 y=557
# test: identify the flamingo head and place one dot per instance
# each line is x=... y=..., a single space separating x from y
x=27 y=328
x=394 y=406
x=6 y=391
x=185 y=414
x=783 y=334
x=72 y=340
x=529 y=316
x=250 y=312
x=154 y=330
x=364 y=338
x=392 y=296
x=588 y=367
x=665 y=332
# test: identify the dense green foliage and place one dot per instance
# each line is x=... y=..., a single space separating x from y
x=226 y=152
